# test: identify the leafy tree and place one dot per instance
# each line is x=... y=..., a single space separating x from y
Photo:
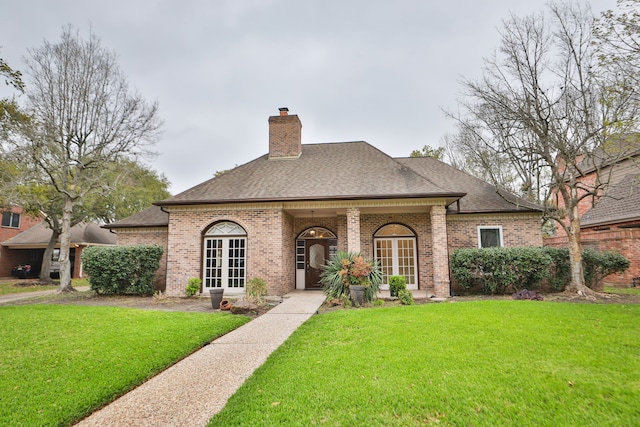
x=545 y=105
x=84 y=119
x=428 y=151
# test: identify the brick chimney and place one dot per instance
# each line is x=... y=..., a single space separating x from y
x=285 y=136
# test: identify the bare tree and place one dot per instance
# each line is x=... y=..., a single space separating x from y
x=84 y=118
x=543 y=106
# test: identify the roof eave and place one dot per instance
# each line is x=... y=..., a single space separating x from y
x=453 y=196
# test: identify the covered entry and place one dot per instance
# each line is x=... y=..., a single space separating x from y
x=314 y=247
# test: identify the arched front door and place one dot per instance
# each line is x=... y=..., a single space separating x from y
x=314 y=247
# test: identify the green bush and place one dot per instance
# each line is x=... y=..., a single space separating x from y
x=405 y=297
x=346 y=269
x=193 y=286
x=596 y=265
x=256 y=290
x=497 y=270
x=126 y=270
x=396 y=284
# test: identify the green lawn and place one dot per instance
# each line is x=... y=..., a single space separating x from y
x=622 y=291
x=12 y=286
x=60 y=362
x=487 y=363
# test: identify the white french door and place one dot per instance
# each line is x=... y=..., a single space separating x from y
x=224 y=262
x=397 y=257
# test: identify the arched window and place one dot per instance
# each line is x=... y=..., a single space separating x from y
x=396 y=252
x=224 y=260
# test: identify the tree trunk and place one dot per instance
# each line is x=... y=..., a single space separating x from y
x=65 y=244
x=577 y=284
x=45 y=271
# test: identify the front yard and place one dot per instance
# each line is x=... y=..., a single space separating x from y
x=484 y=363
x=58 y=363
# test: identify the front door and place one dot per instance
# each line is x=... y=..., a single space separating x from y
x=317 y=252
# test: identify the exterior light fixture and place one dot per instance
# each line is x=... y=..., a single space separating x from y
x=312 y=233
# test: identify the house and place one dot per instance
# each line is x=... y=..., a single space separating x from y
x=611 y=220
x=28 y=247
x=14 y=222
x=280 y=216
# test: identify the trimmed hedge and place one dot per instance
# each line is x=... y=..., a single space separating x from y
x=122 y=270
x=498 y=270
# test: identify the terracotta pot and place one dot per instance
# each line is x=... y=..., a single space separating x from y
x=225 y=305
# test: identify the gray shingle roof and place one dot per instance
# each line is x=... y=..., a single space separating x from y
x=480 y=196
x=81 y=234
x=153 y=216
x=323 y=171
x=621 y=203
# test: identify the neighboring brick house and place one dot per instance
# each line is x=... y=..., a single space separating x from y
x=280 y=216
x=14 y=222
x=29 y=246
x=611 y=221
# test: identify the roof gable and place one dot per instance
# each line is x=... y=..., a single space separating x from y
x=621 y=203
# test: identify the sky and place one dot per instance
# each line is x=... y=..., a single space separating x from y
x=380 y=71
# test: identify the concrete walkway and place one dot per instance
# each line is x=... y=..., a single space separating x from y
x=190 y=392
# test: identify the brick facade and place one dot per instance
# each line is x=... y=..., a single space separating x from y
x=272 y=232
x=8 y=257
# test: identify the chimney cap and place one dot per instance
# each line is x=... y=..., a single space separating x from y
x=284 y=111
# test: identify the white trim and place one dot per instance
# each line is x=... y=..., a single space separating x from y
x=490 y=227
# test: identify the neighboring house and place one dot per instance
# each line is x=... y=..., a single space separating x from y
x=280 y=216
x=14 y=222
x=28 y=246
x=611 y=221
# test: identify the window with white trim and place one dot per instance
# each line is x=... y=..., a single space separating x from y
x=11 y=219
x=490 y=236
x=224 y=257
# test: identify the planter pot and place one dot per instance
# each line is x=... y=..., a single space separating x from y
x=225 y=305
x=216 y=297
x=357 y=294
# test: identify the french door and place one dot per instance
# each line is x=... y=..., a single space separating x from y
x=224 y=262
x=397 y=257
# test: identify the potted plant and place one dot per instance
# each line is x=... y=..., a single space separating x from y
x=396 y=284
x=349 y=274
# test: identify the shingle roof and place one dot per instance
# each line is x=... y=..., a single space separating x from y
x=81 y=234
x=480 y=196
x=153 y=216
x=621 y=203
x=323 y=171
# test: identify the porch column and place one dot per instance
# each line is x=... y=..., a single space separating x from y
x=440 y=252
x=353 y=230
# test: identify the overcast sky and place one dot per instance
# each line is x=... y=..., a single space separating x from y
x=353 y=70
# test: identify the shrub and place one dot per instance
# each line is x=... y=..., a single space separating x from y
x=596 y=265
x=193 y=286
x=497 y=270
x=127 y=270
x=256 y=290
x=405 y=297
x=346 y=269
x=396 y=284
x=524 y=294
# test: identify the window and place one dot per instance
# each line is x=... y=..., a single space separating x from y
x=11 y=219
x=490 y=237
x=225 y=253
x=395 y=247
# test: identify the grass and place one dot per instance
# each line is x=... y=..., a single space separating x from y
x=487 y=363
x=16 y=286
x=622 y=291
x=60 y=362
